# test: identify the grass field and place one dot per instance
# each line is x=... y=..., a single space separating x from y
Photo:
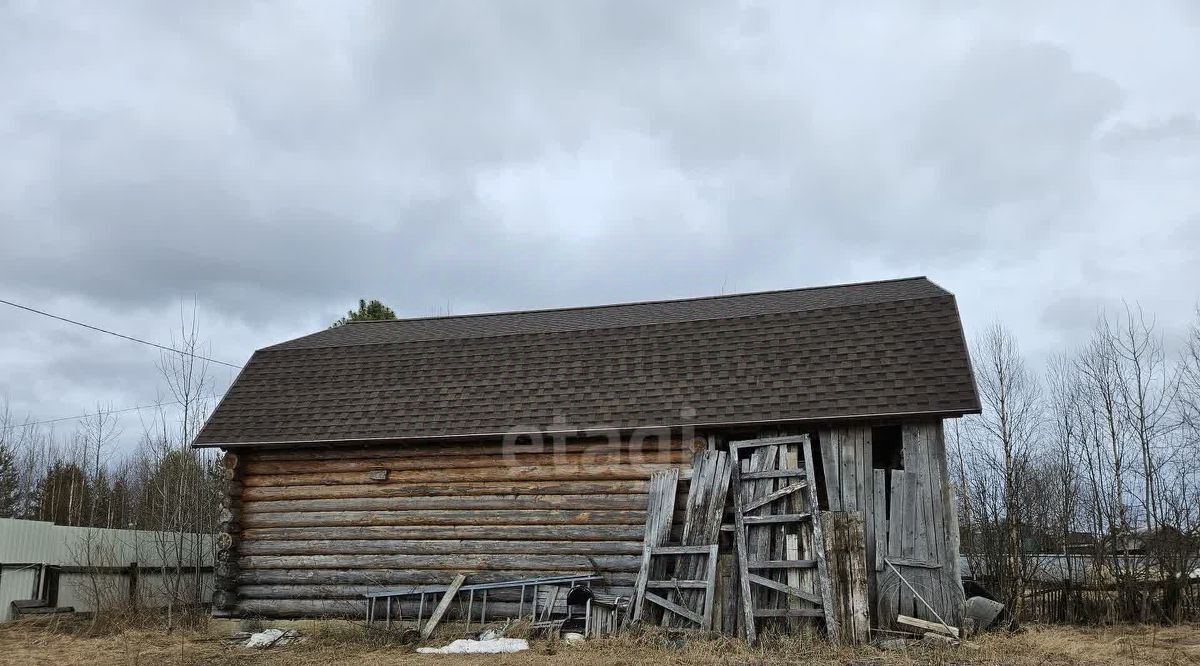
x=341 y=643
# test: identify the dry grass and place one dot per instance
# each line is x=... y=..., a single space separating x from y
x=345 y=643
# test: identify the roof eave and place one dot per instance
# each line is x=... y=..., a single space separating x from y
x=940 y=413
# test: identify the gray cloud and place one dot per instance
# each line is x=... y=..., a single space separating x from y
x=278 y=162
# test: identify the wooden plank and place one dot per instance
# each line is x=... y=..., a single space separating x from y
x=781 y=564
x=679 y=550
x=671 y=584
x=674 y=608
x=900 y=526
x=659 y=515
x=937 y=483
x=926 y=625
x=912 y=518
x=916 y=465
x=951 y=575
x=791 y=536
x=777 y=518
x=443 y=604
x=919 y=564
x=773 y=474
x=926 y=542
x=831 y=464
x=845 y=542
x=710 y=589
x=823 y=580
x=777 y=495
x=880 y=516
x=849 y=471
x=867 y=505
x=740 y=544
x=785 y=588
x=748 y=444
x=789 y=612
x=935 y=535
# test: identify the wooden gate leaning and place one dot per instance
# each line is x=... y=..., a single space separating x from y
x=778 y=534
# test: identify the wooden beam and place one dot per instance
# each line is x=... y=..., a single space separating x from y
x=689 y=584
x=777 y=518
x=674 y=608
x=773 y=474
x=783 y=587
x=831 y=623
x=789 y=612
x=781 y=564
x=440 y=610
x=768 y=441
x=739 y=537
x=778 y=494
x=927 y=625
x=679 y=550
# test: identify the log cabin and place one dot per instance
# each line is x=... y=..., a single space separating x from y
x=380 y=454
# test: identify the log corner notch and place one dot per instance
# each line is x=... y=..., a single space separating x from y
x=229 y=533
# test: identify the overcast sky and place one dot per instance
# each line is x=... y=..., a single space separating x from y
x=276 y=162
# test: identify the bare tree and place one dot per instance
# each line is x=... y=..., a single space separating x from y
x=1007 y=430
x=1108 y=458
x=1067 y=438
x=181 y=485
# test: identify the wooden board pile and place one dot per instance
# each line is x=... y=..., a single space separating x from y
x=783 y=579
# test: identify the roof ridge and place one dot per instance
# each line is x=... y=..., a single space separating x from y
x=660 y=301
x=612 y=327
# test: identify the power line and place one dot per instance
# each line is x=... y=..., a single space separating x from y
x=119 y=335
x=100 y=413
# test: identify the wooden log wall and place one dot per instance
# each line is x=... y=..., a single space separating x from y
x=909 y=517
x=311 y=530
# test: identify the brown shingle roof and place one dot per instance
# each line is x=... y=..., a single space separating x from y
x=869 y=349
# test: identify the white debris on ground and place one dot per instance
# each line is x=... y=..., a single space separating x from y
x=270 y=638
x=468 y=646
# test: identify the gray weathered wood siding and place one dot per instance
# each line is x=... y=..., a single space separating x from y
x=909 y=517
x=311 y=530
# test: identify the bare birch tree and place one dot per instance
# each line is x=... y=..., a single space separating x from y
x=1008 y=428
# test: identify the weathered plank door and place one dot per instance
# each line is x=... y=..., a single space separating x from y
x=920 y=535
x=778 y=533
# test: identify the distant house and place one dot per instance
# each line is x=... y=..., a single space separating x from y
x=517 y=444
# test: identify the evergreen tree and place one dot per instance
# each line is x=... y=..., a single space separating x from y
x=367 y=311
x=10 y=482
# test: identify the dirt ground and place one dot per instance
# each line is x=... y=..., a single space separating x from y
x=344 y=643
